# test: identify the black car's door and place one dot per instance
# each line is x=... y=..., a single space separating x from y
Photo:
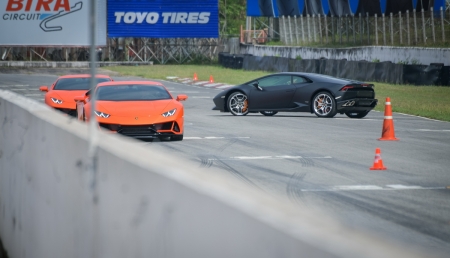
x=274 y=92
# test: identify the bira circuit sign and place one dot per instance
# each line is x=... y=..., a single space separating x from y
x=49 y=22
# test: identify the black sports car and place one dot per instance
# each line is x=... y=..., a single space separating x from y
x=320 y=94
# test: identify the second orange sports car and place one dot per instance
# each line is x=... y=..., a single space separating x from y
x=140 y=109
x=60 y=95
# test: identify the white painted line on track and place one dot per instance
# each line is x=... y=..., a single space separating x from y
x=271 y=157
x=213 y=138
x=32 y=94
x=201 y=83
x=200 y=97
x=373 y=188
x=224 y=86
x=212 y=84
x=32 y=89
x=15 y=85
x=184 y=91
x=429 y=130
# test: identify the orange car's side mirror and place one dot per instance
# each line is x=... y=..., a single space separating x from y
x=43 y=88
x=182 y=97
x=80 y=98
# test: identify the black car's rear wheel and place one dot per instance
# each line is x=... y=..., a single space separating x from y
x=324 y=105
x=268 y=113
x=238 y=104
x=357 y=114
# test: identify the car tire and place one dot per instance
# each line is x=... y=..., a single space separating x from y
x=237 y=104
x=357 y=114
x=176 y=137
x=268 y=113
x=324 y=105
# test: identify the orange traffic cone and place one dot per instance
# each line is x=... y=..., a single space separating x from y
x=378 y=162
x=195 y=77
x=211 y=79
x=388 y=133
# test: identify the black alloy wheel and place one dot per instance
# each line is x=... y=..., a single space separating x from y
x=268 y=113
x=357 y=114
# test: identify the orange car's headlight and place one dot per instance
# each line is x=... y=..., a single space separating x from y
x=101 y=114
x=56 y=101
x=169 y=113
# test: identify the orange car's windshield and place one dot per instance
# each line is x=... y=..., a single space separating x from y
x=132 y=92
x=76 y=83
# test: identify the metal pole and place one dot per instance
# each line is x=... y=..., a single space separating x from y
x=347 y=29
x=332 y=29
x=360 y=28
x=296 y=29
x=384 y=30
x=314 y=28
x=309 y=27
x=290 y=30
x=303 y=28
x=340 y=29
x=376 y=29
x=401 y=27
x=320 y=28
x=415 y=26
x=354 y=32
x=284 y=29
x=392 y=29
x=442 y=24
x=368 y=28
x=93 y=125
x=326 y=28
x=423 y=27
x=432 y=24
x=408 y=28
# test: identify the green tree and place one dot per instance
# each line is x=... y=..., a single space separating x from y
x=232 y=14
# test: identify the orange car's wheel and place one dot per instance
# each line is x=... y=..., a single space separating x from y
x=176 y=137
x=238 y=104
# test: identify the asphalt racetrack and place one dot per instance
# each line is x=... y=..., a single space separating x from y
x=316 y=163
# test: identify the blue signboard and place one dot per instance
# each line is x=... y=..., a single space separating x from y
x=163 y=18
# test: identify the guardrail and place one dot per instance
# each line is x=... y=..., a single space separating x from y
x=142 y=203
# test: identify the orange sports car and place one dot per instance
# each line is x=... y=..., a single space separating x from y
x=139 y=109
x=63 y=91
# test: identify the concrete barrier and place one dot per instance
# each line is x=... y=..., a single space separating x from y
x=403 y=55
x=143 y=203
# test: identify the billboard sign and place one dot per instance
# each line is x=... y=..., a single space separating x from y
x=49 y=22
x=163 y=18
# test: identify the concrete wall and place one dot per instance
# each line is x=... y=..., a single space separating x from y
x=405 y=55
x=149 y=204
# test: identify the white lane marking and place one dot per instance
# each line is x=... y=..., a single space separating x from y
x=212 y=84
x=26 y=90
x=15 y=85
x=201 y=83
x=200 y=97
x=224 y=86
x=270 y=157
x=32 y=94
x=404 y=186
x=429 y=130
x=213 y=138
x=373 y=188
x=352 y=119
x=173 y=91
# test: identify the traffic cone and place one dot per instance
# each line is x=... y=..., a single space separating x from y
x=211 y=79
x=195 y=77
x=388 y=133
x=378 y=162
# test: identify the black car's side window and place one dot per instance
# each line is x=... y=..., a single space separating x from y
x=276 y=80
x=298 y=79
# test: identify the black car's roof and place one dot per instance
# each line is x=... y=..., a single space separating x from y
x=321 y=77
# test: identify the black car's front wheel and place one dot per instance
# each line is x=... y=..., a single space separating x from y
x=238 y=104
x=268 y=113
x=324 y=105
x=357 y=114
